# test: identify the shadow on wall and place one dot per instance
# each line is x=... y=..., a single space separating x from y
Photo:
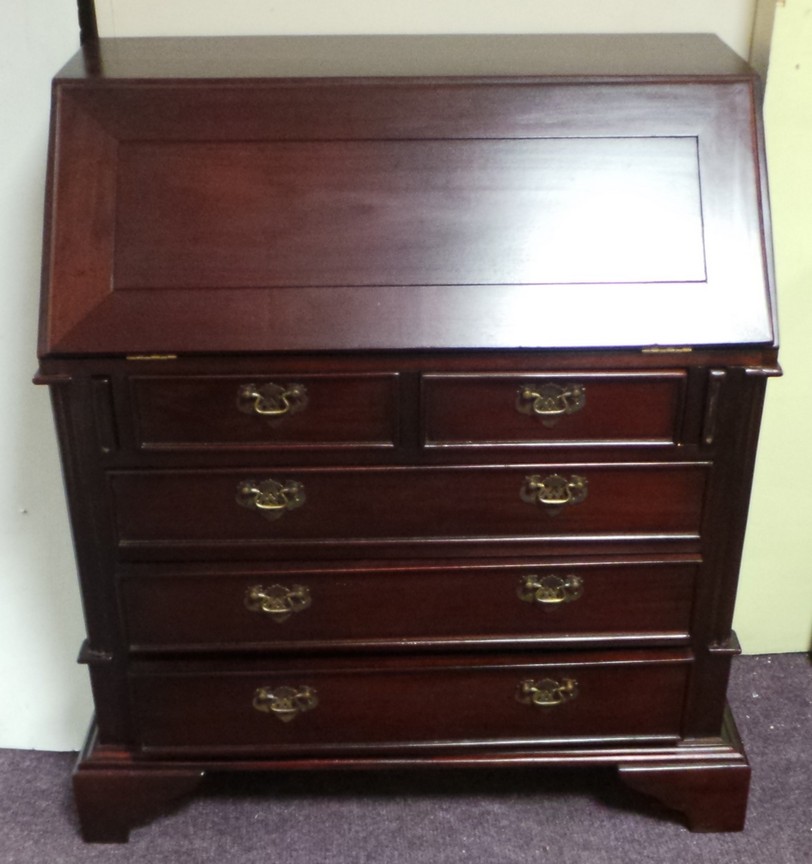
x=46 y=703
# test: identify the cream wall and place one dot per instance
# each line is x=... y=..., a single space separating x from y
x=774 y=612
x=46 y=701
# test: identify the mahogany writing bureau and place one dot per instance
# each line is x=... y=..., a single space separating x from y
x=407 y=391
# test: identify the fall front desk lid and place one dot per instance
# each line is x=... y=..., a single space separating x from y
x=336 y=210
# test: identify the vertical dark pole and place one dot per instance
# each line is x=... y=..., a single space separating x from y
x=88 y=30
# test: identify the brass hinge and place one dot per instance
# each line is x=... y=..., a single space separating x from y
x=774 y=371
x=152 y=357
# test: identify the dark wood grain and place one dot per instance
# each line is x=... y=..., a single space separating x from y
x=88 y=28
x=122 y=794
x=388 y=506
x=113 y=797
x=477 y=606
x=205 y=412
x=713 y=797
x=413 y=231
x=440 y=703
x=471 y=409
x=448 y=196
x=403 y=213
x=560 y=57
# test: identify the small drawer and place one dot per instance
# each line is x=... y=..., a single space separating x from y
x=441 y=702
x=258 y=411
x=556 y=408
x=367 y=509
x=363 y=607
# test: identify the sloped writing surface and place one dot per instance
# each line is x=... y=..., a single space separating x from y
x=412 y=214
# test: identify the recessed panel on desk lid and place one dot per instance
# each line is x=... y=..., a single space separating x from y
x=453 y=212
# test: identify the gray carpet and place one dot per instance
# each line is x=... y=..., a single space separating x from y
x=498 y=817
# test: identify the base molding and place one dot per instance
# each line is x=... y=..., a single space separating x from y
x=711 y=796
x=114 y=795
x=711 y=793
x=706 y=780
x=112 y=803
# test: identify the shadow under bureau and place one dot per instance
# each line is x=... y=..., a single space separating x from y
x=407 y=391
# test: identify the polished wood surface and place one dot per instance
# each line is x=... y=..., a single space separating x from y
x=208 y=412
x=639 y=204
x=480 y=606
x=654 y=56
x=473 y=409
x=387 y=705
x=189 y=512
x=424 y=373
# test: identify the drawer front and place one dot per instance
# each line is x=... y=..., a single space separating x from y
x=258 y=411
x=334 y=507
x=357 y=607
x=395 y=703
x=552 y=408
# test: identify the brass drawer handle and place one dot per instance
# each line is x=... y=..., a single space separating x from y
x=285 y=703
x=554 y=491
x=550 y=590
x=271 y=497
x=277 y=601
x=271 y=400
x=550 y=401
x=546 y=693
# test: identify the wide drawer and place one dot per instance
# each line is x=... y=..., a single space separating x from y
x=258 y=411
x=382 y=506
x=552 y=408
x=396 y=703
x=363 y=607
